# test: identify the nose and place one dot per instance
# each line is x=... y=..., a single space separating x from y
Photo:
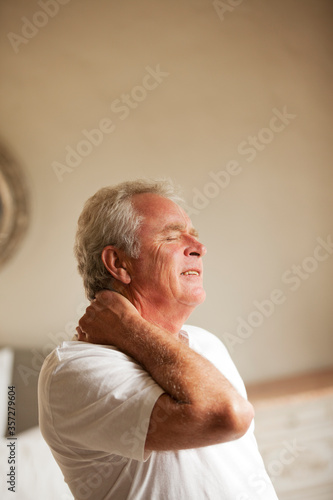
x=194 y=247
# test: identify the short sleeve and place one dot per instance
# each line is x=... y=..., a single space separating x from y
x=100 y=400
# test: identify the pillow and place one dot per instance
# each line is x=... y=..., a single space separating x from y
x=6 y=370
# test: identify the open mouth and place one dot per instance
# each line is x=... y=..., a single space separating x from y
x=190 y=273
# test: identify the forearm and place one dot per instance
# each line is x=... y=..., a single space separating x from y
x=185 y=375
x=199 y=400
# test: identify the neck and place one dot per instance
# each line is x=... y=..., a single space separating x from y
x=168 y=317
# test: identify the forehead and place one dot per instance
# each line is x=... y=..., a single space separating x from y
x=159 y=213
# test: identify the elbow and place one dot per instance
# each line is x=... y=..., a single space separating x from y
x=240 y=416
x=234 y=421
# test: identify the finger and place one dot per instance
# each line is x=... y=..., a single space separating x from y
x=89 y=316
x=104 y=296
x=81 y=335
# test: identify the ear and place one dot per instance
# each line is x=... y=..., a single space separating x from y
x=115 y=262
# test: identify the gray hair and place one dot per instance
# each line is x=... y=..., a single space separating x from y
x=109 y=218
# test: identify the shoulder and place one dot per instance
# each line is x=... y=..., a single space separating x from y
x=207 y=344
x=212 y=348
x=73 y=354
x=204 y=337
x=76 y=374
x=76 y=361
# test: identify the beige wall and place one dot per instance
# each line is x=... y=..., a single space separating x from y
x=226 y=76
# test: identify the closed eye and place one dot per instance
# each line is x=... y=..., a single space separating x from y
x=174 y=231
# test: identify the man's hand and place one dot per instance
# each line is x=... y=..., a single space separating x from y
x=107 y=320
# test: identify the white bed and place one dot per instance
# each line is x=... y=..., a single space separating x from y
x=37 y=475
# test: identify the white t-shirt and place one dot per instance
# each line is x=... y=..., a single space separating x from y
x=94 y=408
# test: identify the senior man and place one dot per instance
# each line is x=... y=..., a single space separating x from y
x=141 y=406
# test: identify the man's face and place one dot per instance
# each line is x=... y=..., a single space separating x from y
x=168 y=274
